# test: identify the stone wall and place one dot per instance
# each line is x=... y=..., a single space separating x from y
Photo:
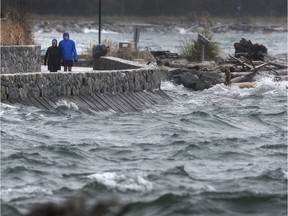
x=20 y=59
x=50 y=85
x=112 y=63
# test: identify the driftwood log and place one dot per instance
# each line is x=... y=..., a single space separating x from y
x=260 y=68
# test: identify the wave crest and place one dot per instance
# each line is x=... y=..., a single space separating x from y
x=122 y=182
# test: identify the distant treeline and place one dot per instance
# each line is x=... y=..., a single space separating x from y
x=187 y=8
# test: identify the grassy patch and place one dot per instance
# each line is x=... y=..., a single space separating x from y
x=16 y=29
x=191 y=48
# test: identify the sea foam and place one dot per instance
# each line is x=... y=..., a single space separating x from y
x=123 y=182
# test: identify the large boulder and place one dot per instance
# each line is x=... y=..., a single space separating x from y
x=251 y=51
x=199 y=80
x=188 y=80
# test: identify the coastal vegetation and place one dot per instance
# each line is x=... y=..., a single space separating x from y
x=190 y=49
x=128 y=53
x=16 y=29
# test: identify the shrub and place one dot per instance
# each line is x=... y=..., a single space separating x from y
x=16 y=29
x=191 y=48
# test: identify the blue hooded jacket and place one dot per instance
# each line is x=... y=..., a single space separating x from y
x=68 y=49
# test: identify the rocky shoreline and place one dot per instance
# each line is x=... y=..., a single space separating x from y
x=242 y=71
x=230 y=72
x=177 y=26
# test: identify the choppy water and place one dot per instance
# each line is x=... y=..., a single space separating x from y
x=275 y=42
x=222 y=151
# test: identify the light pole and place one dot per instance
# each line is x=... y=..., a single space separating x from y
x=99 y=50
x=99 y=33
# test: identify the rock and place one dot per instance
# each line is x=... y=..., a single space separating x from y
x=188 y=80
x=252 y=51
x=197 y=80
x=174 y=71
x=60 y=28
x=211 y=75
x=200 y=85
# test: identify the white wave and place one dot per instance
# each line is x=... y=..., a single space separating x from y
x=88 y=30
x=26 y=190
x=269 y=81
x=122 y=182
x=93 y=30
x=264 y=86
x=182 y=31
x=4 y=105
x=64 y=103
x=285 y=176
x=267 y=86
x=208 y=188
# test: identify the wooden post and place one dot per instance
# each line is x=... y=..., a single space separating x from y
x=202 y=52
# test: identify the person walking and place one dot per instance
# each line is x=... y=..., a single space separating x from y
x=53 y=55
x=68 y=52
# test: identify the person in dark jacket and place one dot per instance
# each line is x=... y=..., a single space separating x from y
x=68 y=51
x=53 y=55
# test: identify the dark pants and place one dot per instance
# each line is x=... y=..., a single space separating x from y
x=67 y=65
x=53 y=68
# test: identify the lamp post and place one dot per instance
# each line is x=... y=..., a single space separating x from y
x=99 y=30
x=99 y=50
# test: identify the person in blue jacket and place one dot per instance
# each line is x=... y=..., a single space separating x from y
x=68 y=52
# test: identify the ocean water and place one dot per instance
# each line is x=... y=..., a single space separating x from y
x=275 y=42
x=221 y=151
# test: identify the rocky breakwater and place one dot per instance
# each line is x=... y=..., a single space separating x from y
x=231 y=71
x=197 y=76
x=248 y=65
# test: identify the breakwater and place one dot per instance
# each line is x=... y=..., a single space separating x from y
x=121 y=90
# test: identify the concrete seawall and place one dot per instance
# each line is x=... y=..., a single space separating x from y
x=119 y=90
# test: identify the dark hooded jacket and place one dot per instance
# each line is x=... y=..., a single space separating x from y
x=53 y=55
x=68 y=48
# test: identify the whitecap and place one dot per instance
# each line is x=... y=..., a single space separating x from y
x=285 y=176
x=265 y=85
x=64 y=103
x=209 y=188
x=88 y=30
x=26 y=190
x=182 y=31
x=122 y=182
x=4 y=105
x=94 y=30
